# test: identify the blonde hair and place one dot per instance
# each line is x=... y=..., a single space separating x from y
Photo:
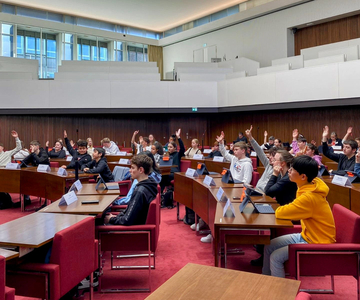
x=196 y=141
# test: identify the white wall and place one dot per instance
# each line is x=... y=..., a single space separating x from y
x=262 y=39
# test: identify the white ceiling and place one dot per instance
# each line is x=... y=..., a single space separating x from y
x=154 y=15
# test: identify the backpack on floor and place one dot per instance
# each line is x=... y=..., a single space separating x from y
x=5 y=201
x=167 y=199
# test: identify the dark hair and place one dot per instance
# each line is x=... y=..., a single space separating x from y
x=353 y=144
x=101 y=151
x=174 y=145
x=81 y=143
x=313 y=148
x=273 y=150
x=35 y=143
x=271 y=138
x=144 y=161
x=61 y=144
x=286 y=157
x=159 y=148
x=173 y=136
x=146 y=140
x=306 y=165
x=154 y=166
x=302 y=139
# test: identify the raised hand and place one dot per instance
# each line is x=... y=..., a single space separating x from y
x=313 y=142
x=65 y=134
x=136 y=132
x=248 y=132
x=47 y=144
x=14 y=134
x=349 y=130
x=325 y=132
x=295 y=134
x=265 y=133
x=220 y=139
x=178 y=132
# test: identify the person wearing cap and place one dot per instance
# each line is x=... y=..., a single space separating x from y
x=99 y=165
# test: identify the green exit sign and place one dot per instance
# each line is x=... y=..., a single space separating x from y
x=194 y=109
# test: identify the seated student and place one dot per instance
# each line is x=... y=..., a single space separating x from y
x=57 y=151
x=144 y=192
x=172 y=138
x=154 y=174
x=157 y=151
x=176 y=156
x=357 y=140
x=143 y=145
x=345 y=161
x=99 y=165
x=241 y=166
x=334 y=140
x=310 y=207
x=267 y=145
x=279 y=185
x=79 y=156
x=277 y=143
x=313 y=152
x=267 y=162
x=214 y=151
x=357 y=164
x=110 y=147
x=194 y=149
x=90 y=146
x=151 y=139
x=5 y=156
x=298 y=144
x=37 y=156
x=22 y=153
x=241 y=138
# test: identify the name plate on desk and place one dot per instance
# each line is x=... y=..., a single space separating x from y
x=218 y=159
x=191 y=173
x=253 y=153
x=198 y=156
x=336 y=147
x=229 y=213
x=69 y=158
x=220 y=195
x=43 y=168
x=341 y=180
x=123 y=153
x=76 y=186
x=124 y=161
x=209 y=181
x=207 y=151
x=68 y=198
x=62 y=172
x=12 y=166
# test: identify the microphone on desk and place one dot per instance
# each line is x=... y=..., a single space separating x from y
x=76 y=170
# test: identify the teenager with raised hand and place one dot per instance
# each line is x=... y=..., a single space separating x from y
x=79 y=156
x=143 y=145
x=345 y=161
x=57 y=151
x=240 y=166
x=310 y=207
x=299 y=146
x=99 y=165
x=5 y=156
x=267 y=145
x=194 y=149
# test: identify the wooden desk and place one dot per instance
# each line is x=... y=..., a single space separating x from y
x=337 y=194
x=212 y=166
x=164 y=170
x=36 y=229
x=10 y=180
x=204 y=282
x=8 y=254
x=89 y=189
x=78 y=208
x=116 y=158
x=355 y=198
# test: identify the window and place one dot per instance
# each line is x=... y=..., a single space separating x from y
x=7 y=40
x=68 y=46
x=137 y=52
x=87 y=50
x=118 y=51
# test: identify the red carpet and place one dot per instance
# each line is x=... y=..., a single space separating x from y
x=179 y=245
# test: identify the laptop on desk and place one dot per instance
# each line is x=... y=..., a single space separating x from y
x=106 y=186
x=227 y=177
x=253 y=191
x=258 y=208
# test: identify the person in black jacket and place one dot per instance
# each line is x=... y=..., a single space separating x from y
x=214 y=151
x=345 y=161
x=99 y=165
x=144 y=192
x=37 y=155
x=57 y=151
x=80 y=155
x=279 y=185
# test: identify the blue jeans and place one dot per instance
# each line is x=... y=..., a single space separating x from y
x=277 y=253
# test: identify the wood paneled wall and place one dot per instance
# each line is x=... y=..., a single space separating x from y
x=326 y=33
x=119 y=128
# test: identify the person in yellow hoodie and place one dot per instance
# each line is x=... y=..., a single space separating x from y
x=310 y=207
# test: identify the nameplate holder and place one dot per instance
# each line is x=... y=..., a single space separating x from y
x=76 y=186
x=229 y=213
x=220 y=195
x=336 y=147
x=12 y=166
x=124 y=161
x=218 y=159
x=191 y=173
x=68 y=198
x=43 y=168
x=209 y=181
x=341 y=180
x=124 y=153
x=253 y=153
x=69 y=158
x=198 y=156
x=207 y=151
x=62 y=172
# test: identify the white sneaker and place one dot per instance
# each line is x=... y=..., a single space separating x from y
x=193 y=226
x=206 y=239
x=199 y=225
x=85 y=284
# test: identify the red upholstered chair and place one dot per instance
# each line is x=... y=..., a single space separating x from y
x=54 y=164
x=254 y=163
x=130 y=240
x=128 y=150
x=6 y=293
x=303 y=296
x=73 y=257
x=255 y=178
x=338 y=259
x=184 y=165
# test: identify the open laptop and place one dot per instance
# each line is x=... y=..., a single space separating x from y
x=201 y=169
x=259 y=208
x=253 y=191
x=323 y=171
x=109 y=186
x=227 y=177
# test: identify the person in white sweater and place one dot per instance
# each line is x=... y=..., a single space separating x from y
x=194 y=149
x=110 y=147
x=5 y=156
x=240 y=166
